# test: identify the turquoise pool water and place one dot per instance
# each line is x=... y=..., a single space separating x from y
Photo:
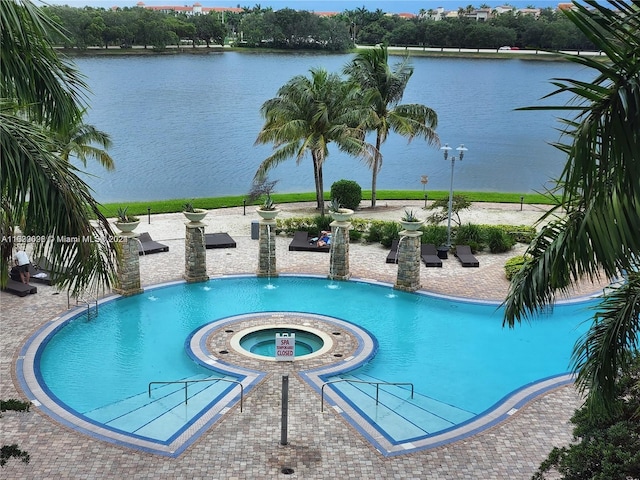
x=455 y=353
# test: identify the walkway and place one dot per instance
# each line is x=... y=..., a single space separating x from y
x=246 y=445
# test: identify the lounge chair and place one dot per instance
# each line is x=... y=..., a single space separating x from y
x=39 y=275
x=302 y=242
x=392 y=256
x=219 y=240
x=429 y=254
x=147 y=245
x=463 y=252
x=18 y=288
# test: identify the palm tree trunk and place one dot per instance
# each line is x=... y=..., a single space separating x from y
x=317 y=176
x=375 y=168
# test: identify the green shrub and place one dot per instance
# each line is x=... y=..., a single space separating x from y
x=498 y=240
x=374 y=235
x=347 y=192
x=513 y=266
x=355 y=236
x=519 y=233
x=434 y=234
x=322 y=222
x=470 y=234
x=13 y=404
x=390 y=232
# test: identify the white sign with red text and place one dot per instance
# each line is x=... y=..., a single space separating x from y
x=285 y=347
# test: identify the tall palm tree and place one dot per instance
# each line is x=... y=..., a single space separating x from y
x=599 y=190
x=306 y=116
x=383 y=89
x=41 y=99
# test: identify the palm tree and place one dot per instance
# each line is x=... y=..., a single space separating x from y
x=306 y=116
x=383 y=89
x=84 y=142
x=40 y=105
x=599 y=190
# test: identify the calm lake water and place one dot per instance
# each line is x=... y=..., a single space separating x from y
x=184 y=126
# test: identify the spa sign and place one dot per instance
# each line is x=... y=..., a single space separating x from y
x=285 y=347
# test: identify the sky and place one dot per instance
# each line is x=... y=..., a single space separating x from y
x=390 y=6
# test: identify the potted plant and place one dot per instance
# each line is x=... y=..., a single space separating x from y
x=193 y=214
x=264 y=188
x=410 y=222
x=339 y=213
x=126 y=223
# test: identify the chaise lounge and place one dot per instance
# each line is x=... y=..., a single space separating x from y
x=147 y=245
x=39 y=275
x=392 y=256
x=19 y=288
x=219 y=240
x=429 y=254
x=467 y=259
x=302 y=242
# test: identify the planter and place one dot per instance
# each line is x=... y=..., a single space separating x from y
x=268 y=214
x=197 y=215
x=342 y=215
x=411 y=226
x=126 y=227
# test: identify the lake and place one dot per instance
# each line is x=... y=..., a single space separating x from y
x=184 y=126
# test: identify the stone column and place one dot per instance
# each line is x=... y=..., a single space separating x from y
x=408 y=261
x=267 y=249
x=128 y=280
x=339 y=261
x=195 y=253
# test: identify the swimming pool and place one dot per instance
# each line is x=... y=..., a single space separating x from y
x=460 y=360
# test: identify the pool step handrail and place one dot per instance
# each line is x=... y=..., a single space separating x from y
x=187 y=382
x=377 y=384
x=88 y=300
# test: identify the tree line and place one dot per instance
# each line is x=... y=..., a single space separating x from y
x=259 y=27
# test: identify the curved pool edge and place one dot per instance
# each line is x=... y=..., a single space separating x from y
x=27 y=378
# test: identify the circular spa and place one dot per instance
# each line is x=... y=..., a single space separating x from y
x=434 y=369
x=260 y=342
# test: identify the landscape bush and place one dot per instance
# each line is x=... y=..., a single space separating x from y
x=347 y=192
x=513 y=266
x=498 y=240
x=434 y=234
x=470 y=234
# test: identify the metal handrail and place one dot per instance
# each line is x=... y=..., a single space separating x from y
x=377 y=384
x=187 y=382
x=92 y=299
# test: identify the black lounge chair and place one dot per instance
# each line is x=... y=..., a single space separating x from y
x=147 y=245
x=18 y=288
x=302 y=242
x=219 y=240
x=463 y=252
x=429 y=254
x=39 y=275
x=392 y=256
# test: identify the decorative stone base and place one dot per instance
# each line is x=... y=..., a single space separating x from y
x=408 y=278
x=128 y=280
x=267 y=249
x=195 y=253
x=339 y=261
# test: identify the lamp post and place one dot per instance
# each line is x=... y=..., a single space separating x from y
x=461 y=149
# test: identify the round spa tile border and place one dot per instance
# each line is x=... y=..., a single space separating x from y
x=346 y=346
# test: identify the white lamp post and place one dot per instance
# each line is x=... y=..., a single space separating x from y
x=461 y=149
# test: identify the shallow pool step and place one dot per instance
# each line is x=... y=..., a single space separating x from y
x=163 y=414
x=401 y=417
